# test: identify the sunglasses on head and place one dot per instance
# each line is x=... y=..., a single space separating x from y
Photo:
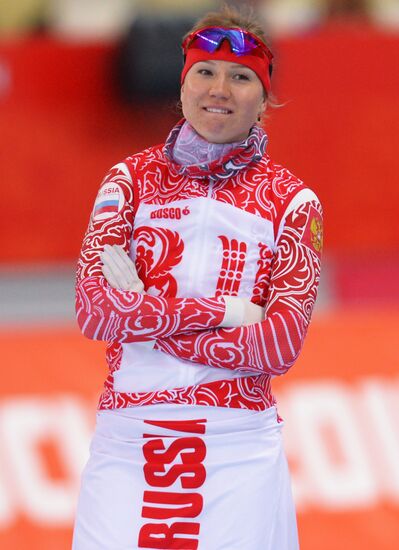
x=242 y=42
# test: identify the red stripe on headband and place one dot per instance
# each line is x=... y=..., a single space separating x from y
x=259 y=64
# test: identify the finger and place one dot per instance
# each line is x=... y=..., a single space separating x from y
x=127 y=261
x=123 y=261
x=137 y=287
x=123 y=267
x=127 y=278
x=109 y=276
x=112 y=261
x=127 y=266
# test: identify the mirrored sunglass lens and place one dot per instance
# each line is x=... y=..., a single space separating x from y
x=241 y=43
x=210 y=39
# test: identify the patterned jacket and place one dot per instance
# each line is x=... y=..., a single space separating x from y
x=240 y=226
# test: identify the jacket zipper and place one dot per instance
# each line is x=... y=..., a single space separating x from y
x=205 y=236
x=198 y=266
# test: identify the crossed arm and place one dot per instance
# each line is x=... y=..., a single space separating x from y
x=124 y=313
x=272 y=345
x=190 y=328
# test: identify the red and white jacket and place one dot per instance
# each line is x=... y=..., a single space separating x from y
x=240 y=226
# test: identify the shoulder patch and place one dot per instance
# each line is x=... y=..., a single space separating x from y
x=109 y=201
x=313 y=234
x=316 y=229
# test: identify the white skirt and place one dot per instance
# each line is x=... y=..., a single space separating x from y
x=188 y=477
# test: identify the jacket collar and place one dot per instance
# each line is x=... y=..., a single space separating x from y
x=248 y=151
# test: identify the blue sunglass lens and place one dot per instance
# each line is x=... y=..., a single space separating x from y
x=211 y=39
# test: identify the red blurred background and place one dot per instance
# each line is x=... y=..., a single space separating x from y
x=63 y=124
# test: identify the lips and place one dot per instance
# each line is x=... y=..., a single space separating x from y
x=218 y=110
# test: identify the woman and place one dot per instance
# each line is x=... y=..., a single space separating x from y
x=199 y=268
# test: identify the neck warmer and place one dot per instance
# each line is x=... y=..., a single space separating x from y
x=191 y=149
x=231 y=158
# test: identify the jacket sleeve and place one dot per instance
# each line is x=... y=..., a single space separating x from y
x=105 y=313
x=273 y=345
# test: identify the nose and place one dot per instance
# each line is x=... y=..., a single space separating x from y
x=220 y=87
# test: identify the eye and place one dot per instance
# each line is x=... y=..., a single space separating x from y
x=205 y=72
x=241 y=76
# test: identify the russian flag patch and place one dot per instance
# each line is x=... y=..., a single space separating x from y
x=109 y=201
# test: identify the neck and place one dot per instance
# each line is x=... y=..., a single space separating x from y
x=191 y=149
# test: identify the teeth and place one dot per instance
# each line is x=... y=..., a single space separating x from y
x=215 y=110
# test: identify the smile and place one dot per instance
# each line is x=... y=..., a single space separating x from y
x=218 y=110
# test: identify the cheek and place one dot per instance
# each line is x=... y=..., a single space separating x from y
x=186 y=94
x=256 y=107
x=183 y=99
x=183 y=94
x=191 y=102
x=251 y=110
x=256 y=99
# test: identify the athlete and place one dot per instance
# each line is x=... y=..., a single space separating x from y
x=199 y=268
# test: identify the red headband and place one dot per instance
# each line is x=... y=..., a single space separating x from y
x=258 y=62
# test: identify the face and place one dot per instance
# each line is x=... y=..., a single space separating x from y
x=222 y=100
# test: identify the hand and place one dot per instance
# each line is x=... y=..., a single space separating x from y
x=119 y=270
x=253 y=313
x=241 y=312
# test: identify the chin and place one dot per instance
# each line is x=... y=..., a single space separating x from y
x=217 y=133
x=216 y=139
x=223 y=136
x=212 y=137
x=219 y=136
